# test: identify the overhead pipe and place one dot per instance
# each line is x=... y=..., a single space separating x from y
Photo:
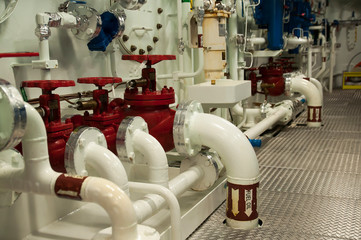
x=193 y=129
x=314 y=100
x=38 y=177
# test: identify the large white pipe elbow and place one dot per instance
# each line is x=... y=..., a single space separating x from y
x=314 y=100
x=317 y=83
x=241 y=164
x=115 y=202
x=192 y=129
x=132 y=138
x=107 y=165
x=154 y=155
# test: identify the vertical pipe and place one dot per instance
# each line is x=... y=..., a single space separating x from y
x=333 y=57
x=232 y=46
x=309 y=62
x=44 y=55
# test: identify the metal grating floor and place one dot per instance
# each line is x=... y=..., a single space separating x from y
x=310 y=179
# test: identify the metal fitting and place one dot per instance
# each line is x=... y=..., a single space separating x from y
x=199 y=15
x=207 y=4
x=181 y=46
x=131 y=5
x=43 y=32
x=240 y=40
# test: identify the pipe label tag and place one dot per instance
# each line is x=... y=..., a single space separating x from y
x=242 y=202
x=314 y=114
x=67 y=186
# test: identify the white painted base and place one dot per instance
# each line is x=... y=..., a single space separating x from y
x=244 y=225
x=314 y=124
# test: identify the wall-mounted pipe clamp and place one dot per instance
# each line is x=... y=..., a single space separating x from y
x=181 y=134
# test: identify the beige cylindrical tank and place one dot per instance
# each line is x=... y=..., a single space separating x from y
x=214 y=43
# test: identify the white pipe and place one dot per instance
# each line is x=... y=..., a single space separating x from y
x=175 y=216
x=116 y=203
x=309 y=62
x=44 y=55
x=332 y=58
x=154 y=155
x=314 y=101
x=188 y=75
x=279 y=113
x=232 y=46
x=323 y=55
x=317 y=83
x=107 y=165
x=180 y=38
x=38 y=177
x=152 y=203
x=239 y=158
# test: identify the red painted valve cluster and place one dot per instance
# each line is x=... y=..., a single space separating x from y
x=272 y=80
x=103 y=116
x=58 y=132
x=150 y=104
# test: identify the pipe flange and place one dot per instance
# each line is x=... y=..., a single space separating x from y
x=125 y=143
x=12 y=117
x=75 y=150
x=210 y=164
x=88 y=20
x=10 y=159
x=288 y=78
x=181 y=131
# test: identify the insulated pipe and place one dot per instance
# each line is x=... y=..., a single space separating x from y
x=107 y=165
x=152 y=203
x=179 y=32
x=170 y=198
x=239 y=158
x=38 y=177
x=155 y=157
x=314 y=101
x=279 y=113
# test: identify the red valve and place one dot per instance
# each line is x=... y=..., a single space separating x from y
x=100 y=81
x=48 y=85
x=151 y=59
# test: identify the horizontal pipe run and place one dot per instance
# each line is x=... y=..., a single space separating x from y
x=266 y=123
x=170 y=198
x=152 y=203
